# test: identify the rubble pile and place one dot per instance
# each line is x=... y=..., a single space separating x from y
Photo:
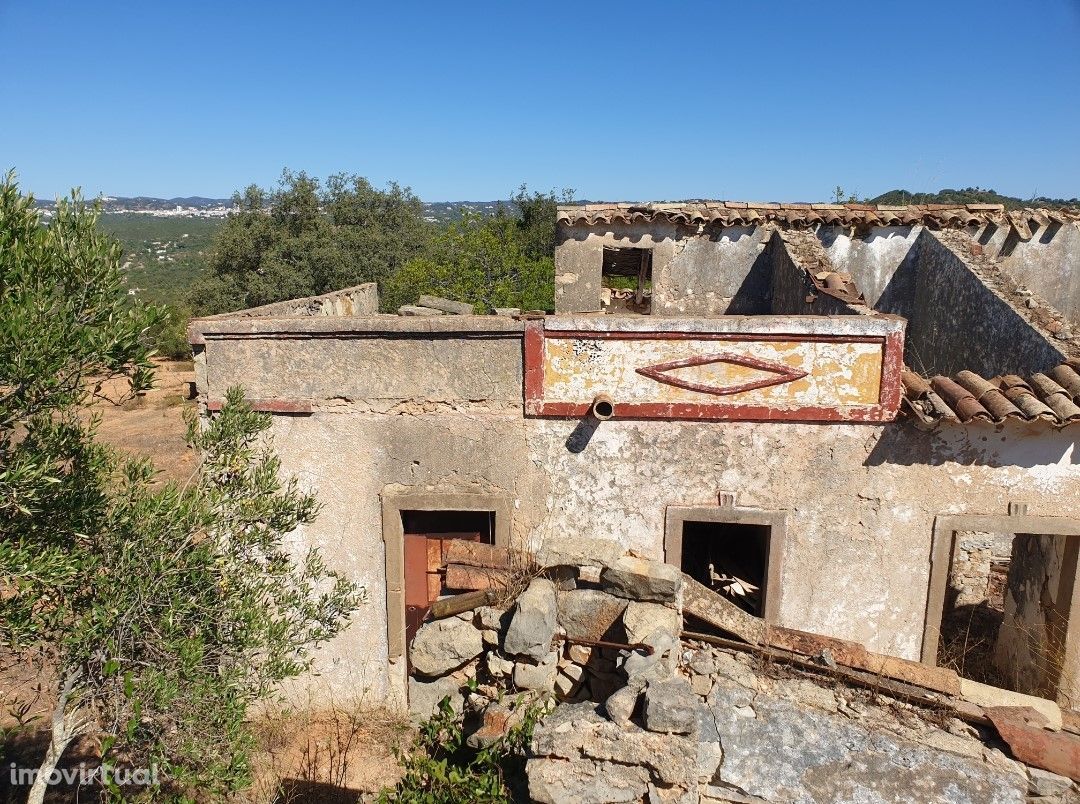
x=643 y=711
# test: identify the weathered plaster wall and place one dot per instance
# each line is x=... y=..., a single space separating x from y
x=579 y=259
x=694 y=271
x=860 y=499
x=872 y=259
x=1048 y=263
x=721 y=271
x=1031 y=650
x=958 y=323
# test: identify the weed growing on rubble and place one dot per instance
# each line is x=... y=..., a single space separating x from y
x=441 y=769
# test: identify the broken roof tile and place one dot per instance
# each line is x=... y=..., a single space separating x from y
x=800 y=215
x=959 y=399
x=1049 y=398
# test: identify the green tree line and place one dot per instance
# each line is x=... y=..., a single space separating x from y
x=155 y=614
x=308 y=237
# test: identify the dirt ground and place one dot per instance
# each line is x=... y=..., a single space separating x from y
x=313 y=755
x=152 y=425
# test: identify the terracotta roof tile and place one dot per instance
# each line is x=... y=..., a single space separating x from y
x=1049 y=398
x=801 y=215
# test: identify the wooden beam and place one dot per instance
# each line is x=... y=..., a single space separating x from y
x=449 y=606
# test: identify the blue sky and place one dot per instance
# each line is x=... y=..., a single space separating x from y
x=626 y=101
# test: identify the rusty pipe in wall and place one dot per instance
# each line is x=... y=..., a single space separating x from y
x=602 y=408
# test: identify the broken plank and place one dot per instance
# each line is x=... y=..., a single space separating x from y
x=449 y=606
x=703 y=603
x=446 y=305
x=460 y=576
x=855 y=655
x=477 y=554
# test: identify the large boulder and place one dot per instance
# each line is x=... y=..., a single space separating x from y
x=831 y=757
x=642 y=620
x=532 y=627
x=424 y=696
x=590 y=614
x=671 y=707
x=580 y=757
x=444 y=645
x=642 y=579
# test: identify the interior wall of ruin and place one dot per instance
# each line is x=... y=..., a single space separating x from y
x=958 y=323
x=1047 y=263
x=1032 y=650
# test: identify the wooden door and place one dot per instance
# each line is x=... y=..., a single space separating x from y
x=426 y=535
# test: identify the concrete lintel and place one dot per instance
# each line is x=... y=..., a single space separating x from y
x=870 y=325
x=676 y=515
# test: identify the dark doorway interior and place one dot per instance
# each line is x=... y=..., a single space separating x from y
x=731 y=559
x=426 y=536
x=627 y=273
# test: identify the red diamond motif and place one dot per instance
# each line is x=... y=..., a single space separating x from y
x=782 y=374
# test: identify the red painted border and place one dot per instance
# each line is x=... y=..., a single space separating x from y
x=885 y=410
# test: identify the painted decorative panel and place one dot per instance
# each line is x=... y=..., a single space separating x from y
x=759 y=371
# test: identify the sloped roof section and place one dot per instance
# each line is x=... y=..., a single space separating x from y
x=1049 y=398
x=801 y=216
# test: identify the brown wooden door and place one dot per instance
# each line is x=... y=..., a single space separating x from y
x=425 y=567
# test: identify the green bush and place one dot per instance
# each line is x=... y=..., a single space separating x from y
x=168 y=338
x=441 y=769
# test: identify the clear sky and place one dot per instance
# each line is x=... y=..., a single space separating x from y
x=621 y=101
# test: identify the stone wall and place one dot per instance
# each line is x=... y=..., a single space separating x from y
x=974 y=554
x=436 y=406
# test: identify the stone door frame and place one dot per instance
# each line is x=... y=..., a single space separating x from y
x=1017 y=522
x=676 y=515
x=393 y=533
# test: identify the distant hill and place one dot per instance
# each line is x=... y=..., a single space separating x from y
x=435 y=211
x=970 y=195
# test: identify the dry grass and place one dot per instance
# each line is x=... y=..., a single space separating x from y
x=966 y=643
x=329 y=755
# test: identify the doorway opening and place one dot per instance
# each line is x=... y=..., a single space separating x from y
x=1007 y=608
x=426 y=535
x=1004 y=603
x=730 y=558
x=626 y=279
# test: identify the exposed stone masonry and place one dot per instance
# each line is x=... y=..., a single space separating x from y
x=667 y=719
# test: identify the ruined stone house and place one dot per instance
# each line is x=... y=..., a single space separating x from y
x=833 y=403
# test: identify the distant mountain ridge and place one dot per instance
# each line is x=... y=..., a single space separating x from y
x=443 y=211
